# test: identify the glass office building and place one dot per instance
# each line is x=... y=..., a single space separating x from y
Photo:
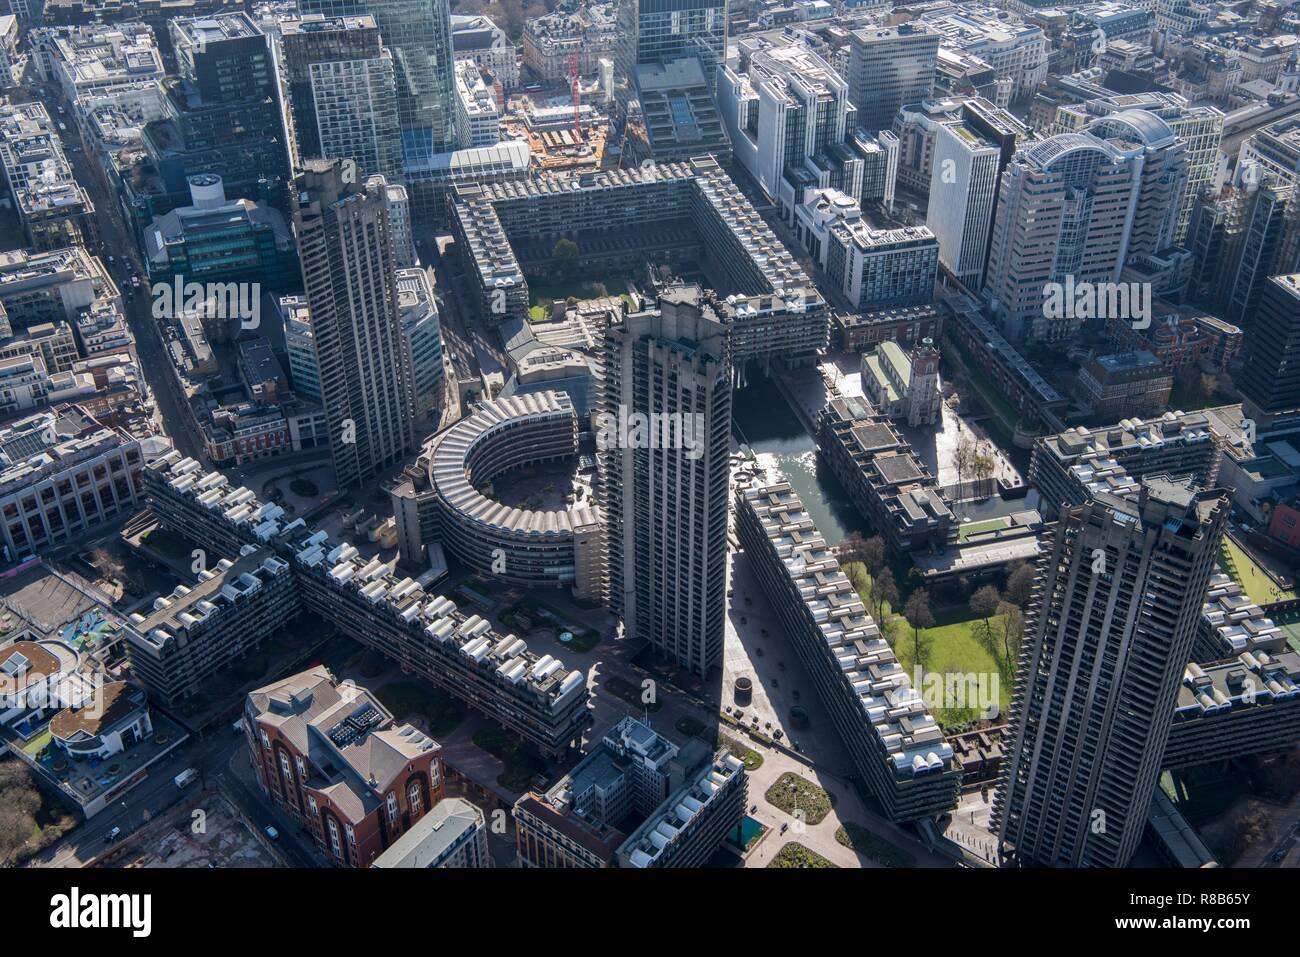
x=418 y=33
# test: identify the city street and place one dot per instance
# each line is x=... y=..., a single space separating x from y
x=114 y=236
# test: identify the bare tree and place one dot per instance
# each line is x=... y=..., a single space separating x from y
x=108 y=564
x=1013 y=628
x=963 y=457
x=984 y=604
x=983 y=464
x=850 y=548
x=873 y=554
x=918 y=615
x=1020 y=583
x=884 y=591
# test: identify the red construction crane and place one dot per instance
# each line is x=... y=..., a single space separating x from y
x=577 y=91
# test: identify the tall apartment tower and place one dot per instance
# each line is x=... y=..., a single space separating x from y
x=1065 y=208
x=1117 y=608
x=1271 y=385
x=342 y=92
x=666 y=507
x=890 y=66
x=418 y=32
x=963 y=193
x=349 y=275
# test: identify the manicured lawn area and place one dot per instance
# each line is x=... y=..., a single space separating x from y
x=405 y=698
x=974 y=528
x=521 y=763
x=791 y=792
x=957 y=648
x=865 y=842
x=33 y=747
x=795 y=854
x=304 y=487
x=542 y=292
x=753 y=760
x=583 y=640
x=1253 y=579
x=1203 y=793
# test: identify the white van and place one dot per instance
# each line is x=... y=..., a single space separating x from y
x=185 y=777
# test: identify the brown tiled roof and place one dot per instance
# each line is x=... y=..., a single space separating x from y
x=111 y=704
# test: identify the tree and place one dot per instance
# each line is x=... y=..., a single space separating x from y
x=963 y=456
x=984 y=604
x=856 y=573
x=1013 y=627
x=564 y=256
x=1020 y=583
x=982 y=465
x=884 y=591
x=19 y=804
x=850 y=548
x=108 y=564
x=869 y=551
x=873 y=554
x=918 y=615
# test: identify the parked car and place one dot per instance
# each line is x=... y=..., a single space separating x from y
x=272 y=833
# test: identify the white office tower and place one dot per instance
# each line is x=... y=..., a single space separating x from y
x=1164 y=173
x=1065 y=209
x=1109 y=635
x=478 y=120
x=421 y=339
x=963 y=196
x=1200 y=128
x=663 y=431
x=399 y=225
x=348 y=271
x=786 y=111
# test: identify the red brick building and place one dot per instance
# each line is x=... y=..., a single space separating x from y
x=332 y=757
x=1284 y=523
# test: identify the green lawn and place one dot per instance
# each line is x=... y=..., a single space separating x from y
x=168 y=543
x=33 y=747
x=871 y=845
x=956 y=648
x=974 y=528
x=752 y=759
x=790 y=793
x=542 y=292
x=795 y=854
x=1253 y=579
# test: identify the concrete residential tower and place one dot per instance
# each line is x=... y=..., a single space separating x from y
x=348 y=272
x=1108 y=637
x=666 y=507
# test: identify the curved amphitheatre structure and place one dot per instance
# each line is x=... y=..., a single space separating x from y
x=526 y=547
